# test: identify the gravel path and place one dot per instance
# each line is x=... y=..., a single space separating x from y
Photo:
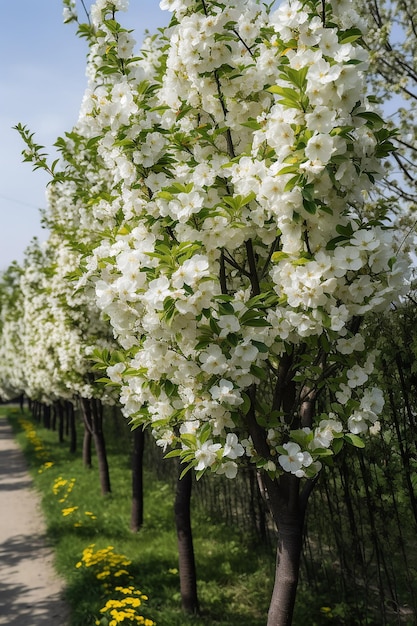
x=30 y=590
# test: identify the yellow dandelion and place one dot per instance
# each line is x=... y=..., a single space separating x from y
x=69 y=510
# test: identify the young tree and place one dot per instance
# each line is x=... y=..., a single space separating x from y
x=12 y=378
x=243 y=260
x=233 y=254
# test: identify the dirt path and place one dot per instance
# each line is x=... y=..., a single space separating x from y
x=30 y=590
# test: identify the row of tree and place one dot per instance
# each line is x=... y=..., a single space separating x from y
x=216 y=250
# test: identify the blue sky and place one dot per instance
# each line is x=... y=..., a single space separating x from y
x=42 y=81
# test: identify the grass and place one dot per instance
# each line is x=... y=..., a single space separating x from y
x=234 y=577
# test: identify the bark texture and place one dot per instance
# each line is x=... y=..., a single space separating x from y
x=136 y=518
x=92 y=411
x=186 y=560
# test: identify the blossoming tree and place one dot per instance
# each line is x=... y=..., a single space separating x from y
x=234 y=257
x=13 y=369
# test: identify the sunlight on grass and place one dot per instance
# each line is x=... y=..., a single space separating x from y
x=96 y=551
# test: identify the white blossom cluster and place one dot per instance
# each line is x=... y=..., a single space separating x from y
x=13 y=368
x=237 y=232
x=224 y=176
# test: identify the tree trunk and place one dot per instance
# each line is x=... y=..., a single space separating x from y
x=288 y=509
x=87 y=440
x=136 y=518
x=47 y=416
x=288 y=505
x=100 y=446
x=289 y=550
x=92 y=412
x=71 y=427
x=53 y=417
x=186 y=560
x=60 y=414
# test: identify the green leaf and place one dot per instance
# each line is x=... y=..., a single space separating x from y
x=187 y=469
x=245 y=407
x=331 y=245
x=292 y=183
x=279 y=256
x=261 y=346
x=252 y=124
x=225 y=308
x=373 y=118
x=256 y=322
x=354 y=440
x=309 y=206
x=346 y=231
x=337 y=445
x=289 y=169
x=172 y=453
x=323 y=452
x=259 y=372
x=350 y=35
x=290 y=98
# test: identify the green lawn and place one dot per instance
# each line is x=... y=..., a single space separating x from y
x=234 y=577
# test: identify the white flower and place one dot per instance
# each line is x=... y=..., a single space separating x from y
x=365 y=239
x=295 y=459
x=356 y=376
x=347 y=258
x=229 y=469
x=321 y=119
x=320 y=148
x=245 y=353
x=158 y=290
x=225 y=392
x=373 y=400
x=324 y=433
x=213 y=360
x=228 y=324
x=322 y=73
x=105 y=293
x=232 y=447
x=165 y=439
x=206 y=454
x=375 y=428
x=191 y=271
x=357 y=423
x=350 y=344
x=114 y=372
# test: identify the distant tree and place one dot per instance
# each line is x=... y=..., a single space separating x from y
x=392 y=43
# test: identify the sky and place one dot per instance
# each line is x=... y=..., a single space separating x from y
x=42 y=81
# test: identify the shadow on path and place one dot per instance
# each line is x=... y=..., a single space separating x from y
x=30 y=590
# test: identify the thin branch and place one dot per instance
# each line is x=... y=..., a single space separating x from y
x=223 y=282
x=242 y=42
x=404 y=169
x=86 y=12
x=254 y=279
x=323 y=12
x=236 y=265
x=271 y=252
